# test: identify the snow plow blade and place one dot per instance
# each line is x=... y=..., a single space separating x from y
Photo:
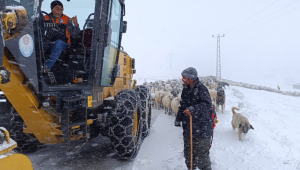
x=15 y=162
x=8 y=159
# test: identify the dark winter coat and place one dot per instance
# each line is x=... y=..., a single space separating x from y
x=197 y=100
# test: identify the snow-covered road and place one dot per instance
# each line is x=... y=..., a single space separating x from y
x=96 y=155
x=274 y=144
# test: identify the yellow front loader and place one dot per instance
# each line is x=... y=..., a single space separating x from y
x=8 y=159
x=89 y=91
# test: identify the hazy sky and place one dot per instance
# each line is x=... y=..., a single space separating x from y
x=260 y=36
x=257 y=38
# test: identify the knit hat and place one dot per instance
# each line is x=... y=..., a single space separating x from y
x=190 y=73
x=54 y=3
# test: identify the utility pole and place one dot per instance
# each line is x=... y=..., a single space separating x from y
x=218 y=66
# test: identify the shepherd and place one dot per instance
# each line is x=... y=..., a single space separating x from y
x=195 y=104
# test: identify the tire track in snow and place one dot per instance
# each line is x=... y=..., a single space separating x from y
x=163 y=148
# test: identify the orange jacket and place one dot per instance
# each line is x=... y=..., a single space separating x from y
x=62 y=20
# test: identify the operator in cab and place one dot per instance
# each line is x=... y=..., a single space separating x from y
x=59 y=29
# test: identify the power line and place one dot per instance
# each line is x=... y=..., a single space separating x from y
x=269 y=20
x=266 y=16
x=251 y=16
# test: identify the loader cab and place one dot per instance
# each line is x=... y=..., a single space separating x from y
x=91 y=60
x=84 y=69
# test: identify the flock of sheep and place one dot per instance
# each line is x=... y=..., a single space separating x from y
x=167 y=94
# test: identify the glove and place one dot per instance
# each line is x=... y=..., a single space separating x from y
x=177 y=124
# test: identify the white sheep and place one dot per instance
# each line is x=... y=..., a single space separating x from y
x=175 y=105
x=174 y=84
x=152 y=99
x=160 y=88
x=152 y=89
x=167 y=102
x=168 y=87
x=213 y=86
x=158 y=98
x=179 y=95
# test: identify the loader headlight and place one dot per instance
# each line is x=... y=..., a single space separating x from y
x=46 y=104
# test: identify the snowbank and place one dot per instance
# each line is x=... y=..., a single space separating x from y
x=256 y=87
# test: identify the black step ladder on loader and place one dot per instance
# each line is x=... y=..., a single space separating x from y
x=72 y=131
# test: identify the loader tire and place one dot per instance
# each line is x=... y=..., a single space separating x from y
x=126 y=126
x=143 y=94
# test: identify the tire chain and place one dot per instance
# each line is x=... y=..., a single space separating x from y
x=122 y=122
x=143 y=94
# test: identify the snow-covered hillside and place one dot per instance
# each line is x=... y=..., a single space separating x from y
x=274 y=144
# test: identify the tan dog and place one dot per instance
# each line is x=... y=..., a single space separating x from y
x=240 y=122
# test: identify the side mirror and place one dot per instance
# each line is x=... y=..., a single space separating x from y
x=124 y=27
